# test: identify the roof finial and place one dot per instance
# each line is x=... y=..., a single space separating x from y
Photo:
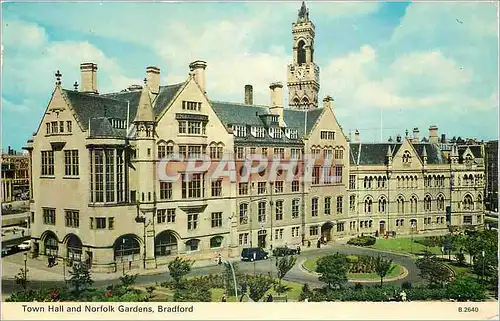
x=75 y=85
x=145 y=81
x=58 y=78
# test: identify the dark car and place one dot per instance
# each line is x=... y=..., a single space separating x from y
x=254 y=254
x=283 y=251
x=9 y=249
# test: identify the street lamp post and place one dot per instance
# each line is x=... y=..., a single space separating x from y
x=411 y=234
x=25 y=273
x=234 y=278
x=123 y=262
x=483 y=255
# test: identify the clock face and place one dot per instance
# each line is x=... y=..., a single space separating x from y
x=300 y=73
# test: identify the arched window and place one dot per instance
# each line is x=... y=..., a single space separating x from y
x=193 y=245
x=384 y=180
x=382 y=202
x=468 y=203
x=365 y=182
x=74 y=247
x=368 y=205
x=243 y=213
x=479 y=202
x=413 y=204
x=370 y=181
x=399 y=181
x=127 y=248
x=427 y=203
x=440 y=202
x=301 y=53
x=296 y=101
x=165 y=244
x=216 y=242
x=51 y=245
x=401 y=204
x=406 y=157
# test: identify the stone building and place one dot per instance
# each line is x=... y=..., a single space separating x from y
x=15 y=176
x=491 y=191
x=97 y=159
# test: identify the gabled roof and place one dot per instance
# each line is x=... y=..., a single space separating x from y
x=375 y=153
x=95 y=108
x=434 y=154
x=234 y=113
x=371 y=153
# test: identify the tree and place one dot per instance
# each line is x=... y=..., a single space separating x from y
x=383 y=267
x=431 y=270
x=80 y=277
x=283 y=266
x=22 y=278
x=258 y=286
x=178 y=269
x=333 y=270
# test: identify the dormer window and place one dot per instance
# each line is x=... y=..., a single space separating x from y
x=275 y=132
x=258 y=132
x=240 y=130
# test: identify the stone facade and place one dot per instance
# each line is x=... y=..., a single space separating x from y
x=96 y=161
x=15 y=176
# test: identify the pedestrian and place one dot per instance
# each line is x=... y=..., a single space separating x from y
x=219 y=259
x=269 y=298
x=224 y=298
x=403 y=296
x=318 y=245
x=298 y=249
x=22 y=233
x=48 y=261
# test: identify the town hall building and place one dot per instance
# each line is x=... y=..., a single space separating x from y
x=96 y=195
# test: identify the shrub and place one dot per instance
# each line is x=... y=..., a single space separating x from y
x=362 y=241
x=352 y=259
x=423 y=293
x=460 y=257
x=358 y=286
x=464 y=289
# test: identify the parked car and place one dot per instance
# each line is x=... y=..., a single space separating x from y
x=254 y=254
x=26 y=245
x=282 y=251
x=9 y=249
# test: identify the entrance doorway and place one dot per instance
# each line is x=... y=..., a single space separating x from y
x=326 y=231
x=382 y=228
x=261 y=240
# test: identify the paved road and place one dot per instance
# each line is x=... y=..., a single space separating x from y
x=295 y=275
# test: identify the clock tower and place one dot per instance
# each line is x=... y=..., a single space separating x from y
x=303 y=73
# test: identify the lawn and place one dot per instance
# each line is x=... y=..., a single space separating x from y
x=398 y=270
x=404 y=245
x=165 y=295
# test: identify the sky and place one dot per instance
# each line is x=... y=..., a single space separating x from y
x=389 y=66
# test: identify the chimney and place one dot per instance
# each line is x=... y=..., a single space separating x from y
x=415 y=135
x=197 y=69
x=328 y=102
x=356 y=136
x=398 y=139
x=433 y=134
x=153 y=79
x=89 y=77
x=276 y=107
x=248 y=95
x=443 y=138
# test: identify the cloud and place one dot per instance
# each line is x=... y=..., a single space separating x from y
x=31 y=72
x=23 y=34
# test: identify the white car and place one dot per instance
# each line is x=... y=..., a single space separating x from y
x=26 y=245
